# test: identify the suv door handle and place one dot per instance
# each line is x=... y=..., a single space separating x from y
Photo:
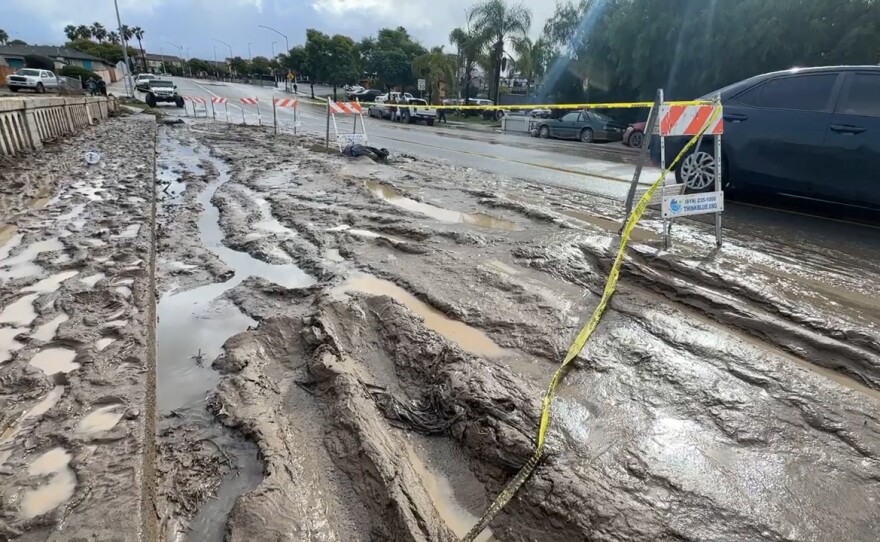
x=847 y=129
x=735 y=117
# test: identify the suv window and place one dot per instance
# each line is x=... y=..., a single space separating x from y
x=863 y=96
x=802 y=92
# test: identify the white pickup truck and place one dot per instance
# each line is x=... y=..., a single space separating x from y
x=32 y=79
x=403 y=108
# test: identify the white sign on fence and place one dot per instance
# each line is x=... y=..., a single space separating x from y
x=421 y=84
x=693 y=204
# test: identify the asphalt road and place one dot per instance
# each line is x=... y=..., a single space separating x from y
x=555 y=163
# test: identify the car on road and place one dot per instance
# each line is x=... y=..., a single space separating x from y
x=587 y=126
x=634 y=134
x=403 y=110
x=32 y=79
x=142 y=82
x=365 y=95
x=811 y=133
x=161 y=91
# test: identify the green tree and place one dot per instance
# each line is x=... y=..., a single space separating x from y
x=437 y=68
x=469 y=48
x=83 y=32
x=260 y=65
x=496 y=23
x=344 y=61
x=317 y=50
x=4 y=37
x=127 y=33
x=109 y=51
x=239 y=65
x=98 y=32
x=112 y=37
x=138 y=33
x=17 y=42
x=531 y=59
x=71 y=32
x=389 y=57
x=198 y=66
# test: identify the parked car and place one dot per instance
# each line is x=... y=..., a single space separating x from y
x=587 y=126
x=365 y=95
x=32 y=79
x=634 y=134
x=809 y=133
x=142 y=82
x=395 y=96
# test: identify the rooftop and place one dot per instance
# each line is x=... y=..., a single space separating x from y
x=51 y=51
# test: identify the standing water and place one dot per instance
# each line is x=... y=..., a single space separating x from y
x=193 y=326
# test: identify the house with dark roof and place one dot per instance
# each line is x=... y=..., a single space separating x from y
x=12 y=58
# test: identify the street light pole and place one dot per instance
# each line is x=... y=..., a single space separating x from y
x=182 y=59
x=286 y=51
x=125 y=72
x=273 y=49
x=215 y=61
x=230 y=53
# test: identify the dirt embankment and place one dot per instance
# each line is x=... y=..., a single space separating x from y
x=76 y=358
x=725 y=396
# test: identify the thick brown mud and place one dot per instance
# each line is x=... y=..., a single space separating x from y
x=352 y=351
x=725 y=395
x=75 y=356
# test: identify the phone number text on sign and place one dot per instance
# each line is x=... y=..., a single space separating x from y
x=693 y=204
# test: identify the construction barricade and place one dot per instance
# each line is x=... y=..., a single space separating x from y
x=215 y=101
x=254 y=102
x=688 y=121
x=196 y=101
x=346 y=108
x=285 y=102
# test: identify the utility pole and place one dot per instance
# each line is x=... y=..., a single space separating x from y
x=230 y=53
x=250 y=56
x=125 y=72
x=215 y=61
x=286 y=51
x=273 y=49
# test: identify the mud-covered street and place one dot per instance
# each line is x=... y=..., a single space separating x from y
x=354 y=351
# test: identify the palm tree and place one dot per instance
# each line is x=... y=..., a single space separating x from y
x=70 y=32
x=531 y=58
x=437 y=67
x=113 y=37
x=139 y=34
x=495 y=23
x=469 y=47
x=99 y=32
x=83 y=31
x=126 y=33
x=4 y=37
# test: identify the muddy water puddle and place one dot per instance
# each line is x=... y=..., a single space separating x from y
x=468 y=338
x=439 y=487
x=55 y=360
x=21 y=265
x=367 y=234
x=8 y=343
x=58 y=490
x=47 y=331
x=50 y=284
x=102 y=418
x=609 y=225
x=20 y=312
x=193 y=327
x=394 y=197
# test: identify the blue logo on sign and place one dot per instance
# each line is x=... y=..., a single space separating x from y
x=675 y=206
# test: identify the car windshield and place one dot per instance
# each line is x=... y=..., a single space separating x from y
x=28 y=72
x=163 y=84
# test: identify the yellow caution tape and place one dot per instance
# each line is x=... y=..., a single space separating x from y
x=510 y=490
x=615 y=105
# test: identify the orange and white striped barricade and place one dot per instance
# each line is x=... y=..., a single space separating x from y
x=217 y=100
x=346 y=108
x=251 y=101
x=701 y=166
x=284 y=102
x=196 y=100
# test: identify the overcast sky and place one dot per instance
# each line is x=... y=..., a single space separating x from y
x=193 y=23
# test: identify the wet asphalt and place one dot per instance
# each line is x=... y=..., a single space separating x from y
x=553 y=163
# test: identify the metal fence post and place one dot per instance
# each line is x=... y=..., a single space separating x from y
x=327 y=139
x=653 y=114
x=275 y=115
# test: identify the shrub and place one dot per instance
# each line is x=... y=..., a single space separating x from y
x=77 y=72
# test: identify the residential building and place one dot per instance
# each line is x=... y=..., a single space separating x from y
x=12 y=58
x=158 y=63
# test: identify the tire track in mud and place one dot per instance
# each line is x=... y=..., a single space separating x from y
x=671 y=427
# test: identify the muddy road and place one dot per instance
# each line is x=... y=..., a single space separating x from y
x=348 y=350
